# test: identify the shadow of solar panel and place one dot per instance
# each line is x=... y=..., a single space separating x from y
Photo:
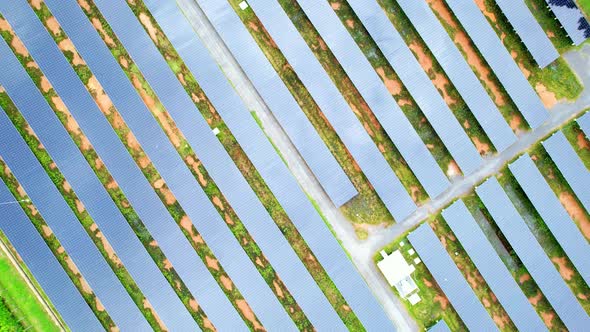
x=266 y=160
x=33 y=250
x=489 y=45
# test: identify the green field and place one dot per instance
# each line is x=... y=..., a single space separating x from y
x=19 y=307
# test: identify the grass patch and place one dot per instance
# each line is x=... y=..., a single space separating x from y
x=19 y=306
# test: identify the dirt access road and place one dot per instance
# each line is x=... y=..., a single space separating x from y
x=362 y=251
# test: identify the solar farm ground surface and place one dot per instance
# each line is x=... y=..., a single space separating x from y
x=555 y=84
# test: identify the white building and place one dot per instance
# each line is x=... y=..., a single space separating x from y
x=398 y=274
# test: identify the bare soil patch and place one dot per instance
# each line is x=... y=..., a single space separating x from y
x=19 y=47
x=576 y=212
x=53 y=25
x=102 y=99
x=217 y=202
x=84 y=5
x=547 y=97
x=524 y=277
x=147 y=305
x=36 y=4
x=582 y=141
x=98 y=26
x=566 y=272
x=393 y=86
x=534 y=300
x=68 y=46
x=278 y=289
x=147 y=23
x=548 y=318
x=443 y=301
x=150 y=102
x=47 y=231
x=483 y=148
x=212 y=263
x=244 y=307
x=226 y=282
x=453 y=169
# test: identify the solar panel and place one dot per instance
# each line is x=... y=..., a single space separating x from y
x=179 y=179
x=402 y=61
x=570 y=165
x=450 y=279
x=553 y=213
x=529 y=31
x=278 y=98
x=493 y=51
x=267 y=161
x=489 y=264
x=530 y=252
x=224 y=172
x=344 y=121
x=571 y=19
x=79 y=174
x=584 y=122
x=57 y=213
x=45 y=268
x=459 y=72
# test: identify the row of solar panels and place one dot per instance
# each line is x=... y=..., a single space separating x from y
x=179 y=179
x=522 y=240
x=383 y=105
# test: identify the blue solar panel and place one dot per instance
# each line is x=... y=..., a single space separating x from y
x=57 y=213
x=529 y=31
x=402 y=61
x=79 y=174
x=531 y=253
x=450 y=279
x=570 y=165
x=491 y=48
x=45 y=268
x=266 y=160
x=489 y=264
x=344 y=121
x=584 y=122
x=571 y=19
x=224 y=172
x=278 y=98
x=459 y=72
x=553 y=213
x=178 y=177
